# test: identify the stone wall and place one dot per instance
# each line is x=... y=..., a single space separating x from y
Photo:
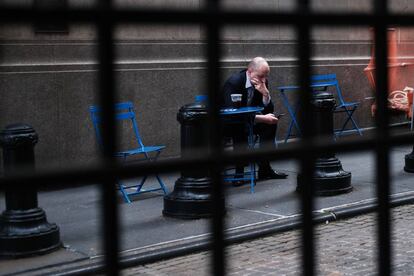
x=50 y=80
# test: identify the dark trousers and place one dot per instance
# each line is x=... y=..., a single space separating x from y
x=239 y=134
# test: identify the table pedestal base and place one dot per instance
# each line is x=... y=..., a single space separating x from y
x=329 y=178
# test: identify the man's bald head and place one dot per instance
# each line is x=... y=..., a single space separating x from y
x=257 y=63
x=258 y=70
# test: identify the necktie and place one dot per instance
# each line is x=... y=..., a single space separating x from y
x=250 y=92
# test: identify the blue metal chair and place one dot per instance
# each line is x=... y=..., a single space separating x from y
x=344 y=107
x=201 y=98
x=249 y=175
x=125 y=112
x=248 y=117
x=229 y=174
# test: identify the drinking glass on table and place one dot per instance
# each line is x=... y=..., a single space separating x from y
x=236 y=99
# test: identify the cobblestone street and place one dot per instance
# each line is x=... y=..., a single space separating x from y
x=345 y=247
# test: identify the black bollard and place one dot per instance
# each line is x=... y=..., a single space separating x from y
x=24 y=229
x=409 y=162
x=192 y=195
x=329 y=177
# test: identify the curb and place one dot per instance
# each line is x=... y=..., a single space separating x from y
x=153 y=253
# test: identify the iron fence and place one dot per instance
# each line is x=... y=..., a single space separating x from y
x=214 y=17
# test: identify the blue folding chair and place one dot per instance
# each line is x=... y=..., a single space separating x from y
x=341 y=107
x=125 y=112
x=200 y=98
x=249 y=175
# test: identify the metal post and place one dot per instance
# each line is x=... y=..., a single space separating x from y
x=329 y=177
x=409 y=162
x=409 y=158
x=24 y=229
x=192 y=195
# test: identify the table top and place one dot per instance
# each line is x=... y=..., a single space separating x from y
x=241 y=110
x=314 y=85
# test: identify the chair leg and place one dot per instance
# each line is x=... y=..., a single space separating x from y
x=289 y=131
x=293 y=122
x=349 y=118
x=338 y=133
x=356 y=126
x=163 y=187
x=122 y=189
x=139 y=187
x=276 y=135
x=124 y=193
x=252 y=176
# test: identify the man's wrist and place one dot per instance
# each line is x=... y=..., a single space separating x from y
x=266 y=99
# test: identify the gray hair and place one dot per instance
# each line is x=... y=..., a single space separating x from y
x=256 y=63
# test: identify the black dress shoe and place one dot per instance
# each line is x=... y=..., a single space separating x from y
x=238 y=183
x=240 y=179
x=271 y=174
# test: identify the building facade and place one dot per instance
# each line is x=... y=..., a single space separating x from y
x=49 y=78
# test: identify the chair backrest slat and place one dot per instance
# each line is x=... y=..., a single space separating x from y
x=331 y=79
x=125 y=105
x=123 y=111
x=323 y=77
x=124 y=116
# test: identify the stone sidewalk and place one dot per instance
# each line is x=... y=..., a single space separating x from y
x=344 y=247
x=274 y=207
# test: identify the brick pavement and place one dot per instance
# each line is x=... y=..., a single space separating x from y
x=345 y=247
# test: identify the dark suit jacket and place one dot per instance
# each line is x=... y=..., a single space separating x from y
x=236 y=84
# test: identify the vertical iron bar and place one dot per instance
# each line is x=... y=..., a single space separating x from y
x=107 y=100
x=213 y=81
x=307 y=162
x=382 y=146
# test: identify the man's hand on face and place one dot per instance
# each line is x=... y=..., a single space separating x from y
x=260 y=86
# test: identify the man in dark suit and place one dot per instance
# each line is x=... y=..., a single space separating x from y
x=252 y=83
